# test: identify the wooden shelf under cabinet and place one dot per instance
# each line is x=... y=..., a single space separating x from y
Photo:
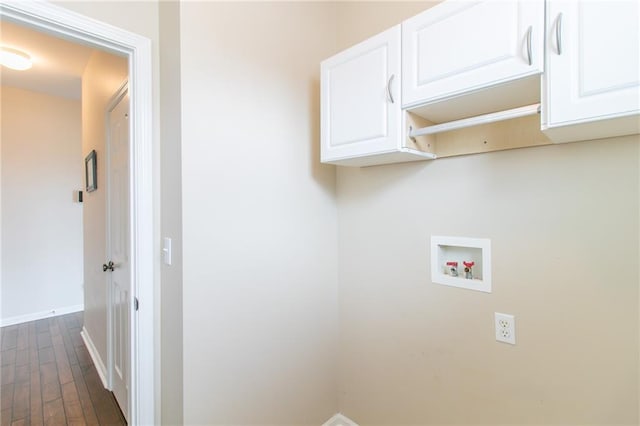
x=509 y=134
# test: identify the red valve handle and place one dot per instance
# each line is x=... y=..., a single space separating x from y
x=452 y=263
x=468 y=264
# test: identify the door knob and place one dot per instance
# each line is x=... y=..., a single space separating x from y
x=107 y=266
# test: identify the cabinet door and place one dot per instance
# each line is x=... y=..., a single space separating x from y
x=457 y=47
x=593 y=52
x=360 y=99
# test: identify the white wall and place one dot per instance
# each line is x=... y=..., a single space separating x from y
x=41 y=223
x=259 y=216
x=564 y=223
x=102 y=77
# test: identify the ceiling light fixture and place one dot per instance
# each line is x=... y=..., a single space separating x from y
x=15 y=59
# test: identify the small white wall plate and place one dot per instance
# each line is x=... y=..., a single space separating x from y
x=340 y=420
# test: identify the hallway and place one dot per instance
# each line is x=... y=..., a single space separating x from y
x=49 y=378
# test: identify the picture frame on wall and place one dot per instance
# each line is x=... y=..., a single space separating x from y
x=91 y=171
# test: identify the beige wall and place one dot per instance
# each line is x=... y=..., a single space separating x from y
x=171 y=214
x=563 y=221
x=358 y=20
x=259 y=216
x=41 y=222
x=102 y=77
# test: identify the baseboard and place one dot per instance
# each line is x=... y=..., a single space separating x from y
x=95 y=356
x=340 y=420
x=40 y=315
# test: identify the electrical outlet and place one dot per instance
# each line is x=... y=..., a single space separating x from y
x=505 y=328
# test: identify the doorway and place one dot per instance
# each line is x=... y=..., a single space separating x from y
x=60 y=22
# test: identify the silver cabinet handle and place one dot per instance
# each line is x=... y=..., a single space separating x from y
x=559 y=33
x=529 y=45
x=389 y=94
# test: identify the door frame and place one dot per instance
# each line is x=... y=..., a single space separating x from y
x=55 y=20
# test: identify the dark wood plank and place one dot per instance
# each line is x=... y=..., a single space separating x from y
x=8 y=357
x=36 y=421
x=54 y=327
x=42 y=325
x=7 y=396
x=22 y=373
x=9 y=338
x=21 y=422
x=70 y=350
x=72 y=405
x=5 y=418
x=70 y=392
x=8 y=374
x=34 y=359
x=101 y=406
x=22 y=357
x=76 y=339
x=49 y=372
x=23 y=336
x=50 y=391
x=70 y=321
x=36 y=399
x=106 y=409
x=84 y=359
x=44 y=340
x=73 y=411
x=48 y=376
x=21 y=408
x=83 y=394
x=54 y=413
x=46 y=355
x=62 y=362
x=64 y=373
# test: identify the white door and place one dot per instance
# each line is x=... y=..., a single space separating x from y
x=360 y=98
x=461 y=46
x=593 y=55
x=118 y=244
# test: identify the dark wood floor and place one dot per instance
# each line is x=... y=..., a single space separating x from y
x=48 y=377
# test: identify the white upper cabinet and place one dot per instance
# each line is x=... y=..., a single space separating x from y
x=459 y=47
x=360 y=98
x=472 y=63
x=592 y=81
x=361 y=113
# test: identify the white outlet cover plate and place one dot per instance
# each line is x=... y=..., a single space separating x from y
x=505 y=325
x=340 y=420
